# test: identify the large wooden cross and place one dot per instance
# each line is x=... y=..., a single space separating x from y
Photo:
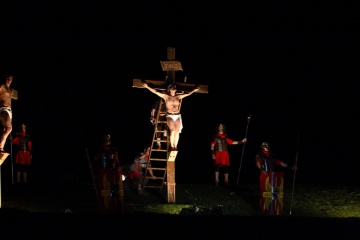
x=170 y=66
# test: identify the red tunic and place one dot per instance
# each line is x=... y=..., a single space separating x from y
x=222 y=157
x=23 y=156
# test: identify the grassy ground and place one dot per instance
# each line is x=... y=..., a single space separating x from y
x=238 y=200
x=63 y=206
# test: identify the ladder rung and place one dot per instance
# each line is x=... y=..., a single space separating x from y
x=159 y=150
x=160 y=131
x=155 y=178
x=152 y=168
x=146 y=186
x=155 y=140
x=158 y=159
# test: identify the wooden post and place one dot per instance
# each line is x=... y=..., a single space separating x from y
x=170 y=66
x=170 y=170
x=3 y=157
x=171 y=193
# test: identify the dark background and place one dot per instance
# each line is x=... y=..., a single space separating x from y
x=291 y=66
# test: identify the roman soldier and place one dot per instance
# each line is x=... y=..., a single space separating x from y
x=109 y=177
x=220 y=153
x=23 y=154
x=271 y=181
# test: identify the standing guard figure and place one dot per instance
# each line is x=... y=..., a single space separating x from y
x=271 y=181
x=109 y=177
x=220 y=153
x=23 y=154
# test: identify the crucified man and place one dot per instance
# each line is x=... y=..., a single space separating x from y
x=173 y=116
x=6 y=94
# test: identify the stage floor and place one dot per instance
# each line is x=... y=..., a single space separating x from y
x=67 y=201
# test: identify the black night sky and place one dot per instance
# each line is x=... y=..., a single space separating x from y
x=291 y=66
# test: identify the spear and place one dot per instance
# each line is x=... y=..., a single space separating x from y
x=296 y=159
x=90 y=166
x=92 y=174
x=242 y=154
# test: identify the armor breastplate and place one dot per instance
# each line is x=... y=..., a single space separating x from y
x=23 y=146
x=267 y=165
x=221 y=144
x=107 y=158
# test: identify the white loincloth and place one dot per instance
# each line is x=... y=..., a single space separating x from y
x=6 y=109
x=176 y=117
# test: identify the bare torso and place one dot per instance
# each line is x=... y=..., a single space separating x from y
x=172 y=104
x=5 y=96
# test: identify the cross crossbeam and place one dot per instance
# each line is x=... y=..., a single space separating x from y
x=162 y=85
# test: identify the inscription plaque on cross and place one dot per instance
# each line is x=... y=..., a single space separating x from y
x=170 y=66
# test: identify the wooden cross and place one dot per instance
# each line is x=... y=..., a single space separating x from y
x=170 y=66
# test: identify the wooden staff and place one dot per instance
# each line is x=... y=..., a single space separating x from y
x=90 y=166
x=293 y=184
x=92 y=174
x=242 y=154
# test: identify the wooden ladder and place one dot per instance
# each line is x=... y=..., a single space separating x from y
x=158 y=158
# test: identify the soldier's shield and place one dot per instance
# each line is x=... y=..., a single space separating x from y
x=271 y=193
x=111 y=194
